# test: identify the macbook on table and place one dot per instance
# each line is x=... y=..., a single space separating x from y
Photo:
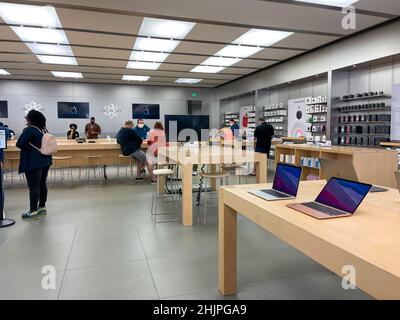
x=286 y=184
x=343 y=169
x=339 y=198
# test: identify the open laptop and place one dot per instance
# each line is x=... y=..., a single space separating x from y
x=286 y=184
x=339 y=198
x=343 y=169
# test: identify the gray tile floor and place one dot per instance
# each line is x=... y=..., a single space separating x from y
x=103 y=244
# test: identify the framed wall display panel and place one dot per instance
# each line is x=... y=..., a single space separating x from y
x=145 y=111
x=3 y=109
x=73 y=110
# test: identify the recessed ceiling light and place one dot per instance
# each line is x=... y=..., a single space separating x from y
x=188 y=80
x=238 y=51
x=149 y=44
x=4 y=72
x=41 y=35
x=143 y=65
x=207 y=69
x=165 y=28
x=334 y=3
x=259 y=37
x=60 y=74
x=135 y=78
x=149 y=56
x=40 y=48
x=222 y=62
x=58 y=60
x=20 y=14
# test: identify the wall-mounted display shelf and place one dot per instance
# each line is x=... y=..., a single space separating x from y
x=231 y=115
x=317 y=110
x=276 y=115
x=365 y=95
x=382 y=106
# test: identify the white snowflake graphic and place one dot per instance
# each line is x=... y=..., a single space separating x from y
x=111 y=111
x=32 y=106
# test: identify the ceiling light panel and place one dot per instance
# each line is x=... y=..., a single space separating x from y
x=20 y=14
x=58 y=60
x=143 y=65
x=135 y=78
x=42 y=34
x=148 y=56
x=59 y=74
x=220 y=61
x=207 y=69
x=188 y=80
x=259 y=37
x=165 y=28
x=238 y=51
x=161 y=48
x=334 y=3
x=4 y=72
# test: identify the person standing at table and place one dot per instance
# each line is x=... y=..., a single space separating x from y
x=234 y=127
x=72 y=133
x=142 y=129
x=263 y=133
x=34 y=164
x=92 y=129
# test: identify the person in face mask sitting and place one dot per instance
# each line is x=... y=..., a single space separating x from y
x=141 y=129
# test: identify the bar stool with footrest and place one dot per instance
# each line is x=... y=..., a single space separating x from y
x=172 y=196
x=223 y=175
x=59 y=168
x=126 y=161
x=94 y=164
x=12 y=164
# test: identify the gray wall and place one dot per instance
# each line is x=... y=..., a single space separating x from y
x=171 y=100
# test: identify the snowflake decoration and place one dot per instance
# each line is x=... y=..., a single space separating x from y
x=32 y=106
x=111 y=111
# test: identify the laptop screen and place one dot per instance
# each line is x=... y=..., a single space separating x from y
x=343 y=194
x=287 y=179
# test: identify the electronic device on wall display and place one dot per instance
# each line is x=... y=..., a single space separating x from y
x=286 y=184
x=297 y=119
x=339 y=198
x=73 y=110
x=3 y=109
x=145 y=111
x=176 y=124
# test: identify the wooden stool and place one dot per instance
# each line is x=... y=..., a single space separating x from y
x=121 y=160
x=95 y=163
x=13 y=167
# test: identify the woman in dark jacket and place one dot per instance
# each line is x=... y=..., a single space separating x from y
x=34 y=164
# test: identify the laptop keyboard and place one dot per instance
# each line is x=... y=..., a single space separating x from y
x=327 y=210
x=275 y=193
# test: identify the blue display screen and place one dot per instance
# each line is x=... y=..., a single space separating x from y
x=343 y=194
x=73 y=110
x=287 y=179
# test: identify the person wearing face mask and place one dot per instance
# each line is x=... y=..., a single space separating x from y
x=141 y=129
x=92 y=129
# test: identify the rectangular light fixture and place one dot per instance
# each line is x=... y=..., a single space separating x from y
x=207 y=69
x=188 y=80
x=135 y=78
x=61 y=74
x=59 y=50
x=4 y=72
x=238 y=51
x=40 y=35
x=150 y=44
x=58 y=60
x=221 y=62
x=148 y=56
x=260 y=37
x=143 y=65
x=20 y=14
x=165 y=28
x=334 y=3
x=173 y=30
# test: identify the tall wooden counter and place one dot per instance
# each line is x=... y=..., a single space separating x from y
x=375 y=166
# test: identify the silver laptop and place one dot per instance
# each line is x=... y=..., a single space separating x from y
x=286 y=184
x=342 y=169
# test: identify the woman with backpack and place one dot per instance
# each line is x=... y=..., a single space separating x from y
x=34 y=164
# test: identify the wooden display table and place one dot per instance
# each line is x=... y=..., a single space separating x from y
x=108 y=150
x=369 y=240
x=375 y=166
x=209 y=155
x=296 y=140
x=393 y=144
